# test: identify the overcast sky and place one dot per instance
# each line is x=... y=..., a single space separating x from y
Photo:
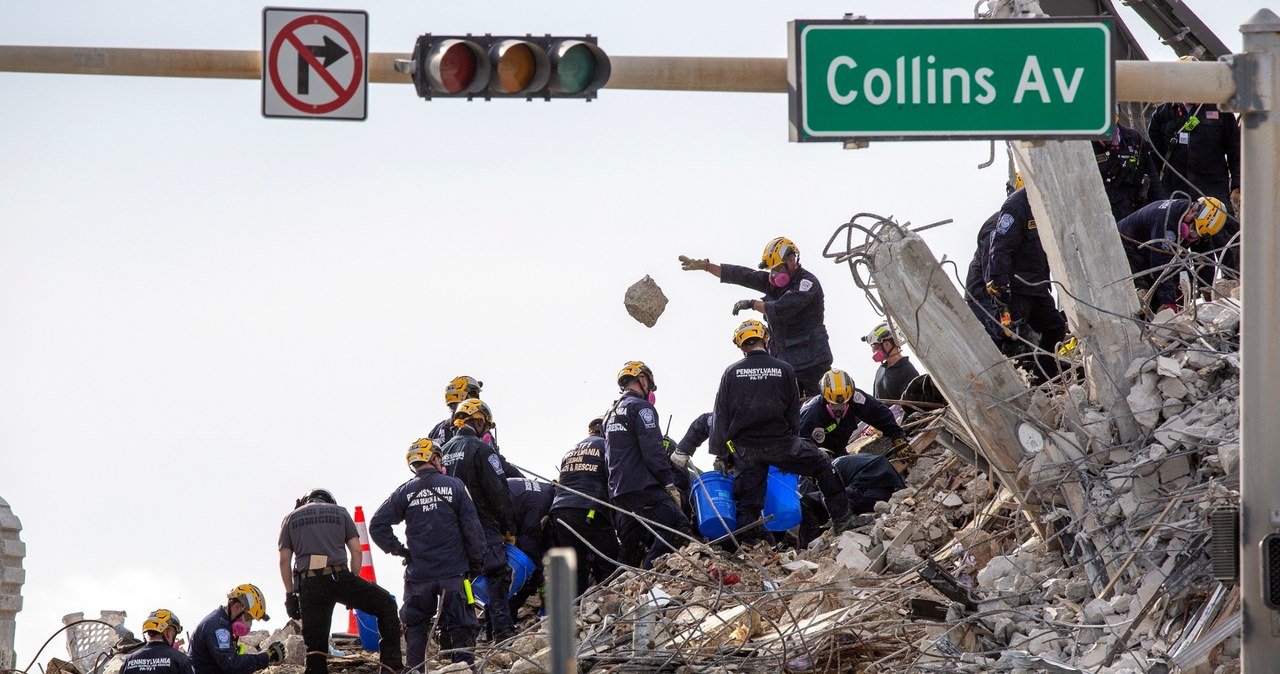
x=208 y=312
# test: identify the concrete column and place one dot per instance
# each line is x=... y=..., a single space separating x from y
x=12 y=576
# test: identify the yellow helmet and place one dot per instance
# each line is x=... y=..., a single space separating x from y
x=1209 y=215
x=472 y=408
x=777 y=251
x=422 y=451
x=460 y=388
x=634 y=369
x=750 y=329
x=250 y=597
x=837 y=387
x=160 y=620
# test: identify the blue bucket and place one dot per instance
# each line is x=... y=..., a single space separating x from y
x=522 y=569
x=368 y=628
x=782 y=500
x=713 y=504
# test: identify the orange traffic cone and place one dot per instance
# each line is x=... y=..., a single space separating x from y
x=366 y=563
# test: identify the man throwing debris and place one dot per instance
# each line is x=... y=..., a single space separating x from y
x=793 y=305
x=757 y=417
x=316 y=539
x=446 y=547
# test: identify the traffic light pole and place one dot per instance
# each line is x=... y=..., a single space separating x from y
x=1135 y=80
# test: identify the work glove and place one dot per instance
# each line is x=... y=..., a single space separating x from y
x=743 y=305
x=474 y=571
x=1234 y=198
x=275 y=652
x=818 y=435
x=292 y=605
x=1000 y=293
x=690 y=264
x=404 y=556
x=720 y=466
x=674 y=493
x=509 y=538
x=900 y=446
x=680 y=460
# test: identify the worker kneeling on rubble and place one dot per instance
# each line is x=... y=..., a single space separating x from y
x=1155 y=233
x=641 y=477
x=158 y=655
x=832 y=418
x=446 y=549
x=215 y=645
x=868 y=479
x=316 y=540
x=757 y=417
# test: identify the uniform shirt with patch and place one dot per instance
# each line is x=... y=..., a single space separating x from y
x=317 y=533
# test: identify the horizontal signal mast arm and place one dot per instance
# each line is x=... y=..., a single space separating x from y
x=1135 y=80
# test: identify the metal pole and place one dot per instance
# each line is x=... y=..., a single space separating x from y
x=1135 y=80
x=562 y=587
x=1260 y=323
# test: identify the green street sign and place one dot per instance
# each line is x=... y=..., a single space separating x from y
x=895 y=80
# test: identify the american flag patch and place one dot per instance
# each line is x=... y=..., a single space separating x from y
x=1210 y=114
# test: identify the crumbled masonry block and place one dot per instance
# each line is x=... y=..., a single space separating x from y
x=645 y=301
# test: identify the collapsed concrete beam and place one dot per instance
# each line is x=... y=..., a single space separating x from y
x=12 y=576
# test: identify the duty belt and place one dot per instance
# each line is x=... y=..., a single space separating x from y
x=312 y=573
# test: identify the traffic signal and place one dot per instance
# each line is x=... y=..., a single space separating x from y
x=489 y=66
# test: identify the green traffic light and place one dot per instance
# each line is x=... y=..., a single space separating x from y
x=576 y=69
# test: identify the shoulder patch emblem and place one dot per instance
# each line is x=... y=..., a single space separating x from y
x=224 y=639
x=1210 y=114
x=858 y=398
x=649 y=418
x=1004 y=223
x=496 y=463
x=805 y=285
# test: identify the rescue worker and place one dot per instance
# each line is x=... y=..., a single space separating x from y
x=1152 y=236
x=1017 y=277
x=444 y=548
x=458 y=389
x=580 y=522
x=215 y=645
x=976 y=296
x=531 y=500
x=896 y=370
x=462 y=388
x=1200 y=147
x=868 y=479
x=470 y=459
x=1129 y=171
x=832 y=418
x=641 y=479
x=159 y=655
x=316 y=541
x=793 y=306
x=757 y=417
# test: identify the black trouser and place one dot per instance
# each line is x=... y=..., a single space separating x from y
x=800 y=456
x=317 y=596
x=497 y=613
x=808 y=380
x=655 y=504
x=1041 y=315
x=813 y=512
x=596 y=529
x=422 y=599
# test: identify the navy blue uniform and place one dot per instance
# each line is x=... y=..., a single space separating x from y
x=579 y=522
x=868 y=479
x=757 y=416
x=157 y=657
x=473 y=461
x=1129 y=171
x=796 y=315
x=532 y=502
x=444 y=432
x=1149 y=237
x=213 y=648
x=1208 y=156
x=697 y=433
x=975 y=282
x=639 y=472
x=1017 y=261
x=892 y=380
x=817 y=414
x=445 y=542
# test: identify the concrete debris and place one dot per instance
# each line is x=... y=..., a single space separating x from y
x=645 y=301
